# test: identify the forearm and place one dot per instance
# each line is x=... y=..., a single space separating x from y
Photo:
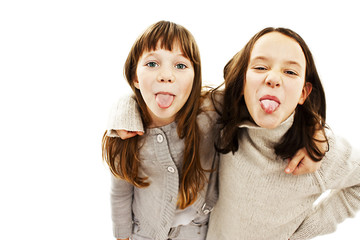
x=121 y=202
x=334 y=209
x=340 y=171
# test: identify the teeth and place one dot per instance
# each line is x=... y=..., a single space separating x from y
x=269 y=106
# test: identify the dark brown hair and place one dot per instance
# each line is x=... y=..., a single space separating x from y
x=309 y=117
x=122 y=156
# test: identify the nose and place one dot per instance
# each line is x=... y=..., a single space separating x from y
x=273 y=80
x=166 y=75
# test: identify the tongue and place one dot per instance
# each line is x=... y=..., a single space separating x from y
x=269 y=106
x=164 y=100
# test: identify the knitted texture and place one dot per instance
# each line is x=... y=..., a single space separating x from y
x=124 y=115
x=153 y=208
x=257 y=200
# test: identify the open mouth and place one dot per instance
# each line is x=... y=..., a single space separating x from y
x=269 y=103
x=164 y=100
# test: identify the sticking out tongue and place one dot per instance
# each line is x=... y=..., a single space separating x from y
x=164 y=100
x=269 y=106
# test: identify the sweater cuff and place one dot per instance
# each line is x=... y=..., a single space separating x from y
x=122 y=232
x=124 y=115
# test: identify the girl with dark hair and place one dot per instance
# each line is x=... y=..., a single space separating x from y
x=161 y=181
x=273 y=105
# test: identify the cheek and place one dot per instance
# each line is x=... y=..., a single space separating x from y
x=252 y=80
x=294 y=93
x=249 y=89
x=187 y=88
x=248 y=97
x=298 y=88
x=188 y=83
x=143 y=79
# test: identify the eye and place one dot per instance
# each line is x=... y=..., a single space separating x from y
x=152 y=64
x=290 y=72
x=180 y=66
x=260 y=68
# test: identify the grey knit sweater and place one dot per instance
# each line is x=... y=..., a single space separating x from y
x=257 y=200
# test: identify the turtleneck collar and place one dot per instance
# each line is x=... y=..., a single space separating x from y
x=267 y=137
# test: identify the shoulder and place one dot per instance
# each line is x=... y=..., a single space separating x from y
x=339 y=147
x=340 y=162
x=207 y=121
x=212 y=99
x=211 y=104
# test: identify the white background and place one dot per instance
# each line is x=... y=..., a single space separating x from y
x=61 y=65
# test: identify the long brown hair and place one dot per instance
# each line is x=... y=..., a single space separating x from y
x=309 y=117
x=122 y=156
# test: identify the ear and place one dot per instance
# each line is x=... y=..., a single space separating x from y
x=305 y=92
x=136 y=83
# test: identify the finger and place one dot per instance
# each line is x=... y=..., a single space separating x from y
x=300 y=170
x=294 y=162
x=288 y=170
x=123 y=134
x=139 y=133
x=119 y=132
x=309 y=165
x=130 y=134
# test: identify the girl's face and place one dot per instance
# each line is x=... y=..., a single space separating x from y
x=274 y=81
x=165 y=80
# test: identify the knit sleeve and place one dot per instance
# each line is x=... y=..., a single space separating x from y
x=340 y=172
x=121 y=202
x=124 y=115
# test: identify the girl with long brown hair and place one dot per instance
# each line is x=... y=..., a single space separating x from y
x=161 y=184
x=274 y=104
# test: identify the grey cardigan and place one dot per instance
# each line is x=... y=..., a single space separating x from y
x=161 y=152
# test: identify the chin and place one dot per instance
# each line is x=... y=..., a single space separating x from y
x=165 y=115
x=268 y=122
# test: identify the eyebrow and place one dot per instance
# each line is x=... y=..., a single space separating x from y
x=289 y=62
x=153 y=53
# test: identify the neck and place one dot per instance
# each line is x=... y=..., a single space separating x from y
x=159 y=122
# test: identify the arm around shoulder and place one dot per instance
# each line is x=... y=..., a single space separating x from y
x=125 y=115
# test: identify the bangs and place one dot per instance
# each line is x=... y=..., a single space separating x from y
x=168 y=34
